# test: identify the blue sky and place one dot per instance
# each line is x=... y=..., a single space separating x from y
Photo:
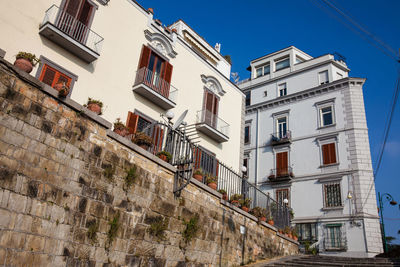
x=252 y=28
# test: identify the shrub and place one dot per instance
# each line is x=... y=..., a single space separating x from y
x=28 y=56
x=192 y=226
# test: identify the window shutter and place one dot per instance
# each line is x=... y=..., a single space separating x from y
x=281 y=163
x=157 y=138
x=197 y=157
x=329 y=153
x=131 y=122
x=332 y=152
x=47 y=75
x=86 y=12
x=144 y=57
x=168 y=72
x=325 y=154
x=72 y=7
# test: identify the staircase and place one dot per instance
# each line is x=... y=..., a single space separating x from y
x=329 y=261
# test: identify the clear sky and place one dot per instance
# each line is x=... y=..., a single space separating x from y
x=253 y=28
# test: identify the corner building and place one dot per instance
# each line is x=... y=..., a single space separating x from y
x=306 y=140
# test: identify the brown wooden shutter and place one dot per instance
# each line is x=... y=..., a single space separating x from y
x=168 y=72
x=131 y=122
x=47 y=75
x=72 y=7
x=281 y=163
x=157 y=137
x=332 y=152
x=85 y=13
x=197 y=157
x=144 y=57
x=329 y=153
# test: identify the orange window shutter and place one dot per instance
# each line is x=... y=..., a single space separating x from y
x=144 y=57
x=168 y=72
x=131 y=122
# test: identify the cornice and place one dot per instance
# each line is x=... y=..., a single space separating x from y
x=306 y=94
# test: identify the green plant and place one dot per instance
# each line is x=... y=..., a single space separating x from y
x=236 y=197
x=258 y=212
x=94 y=101
x=192 y=226
x=92 y=230
x=198 y=171
x=28 y=56
x=114 y=226
x=158 y=227
x=294 y=232
x=286 y=230
x=222 y=191
x=291 y=212
x=245 y=202
x=130 y=176
x=119 y=125
x=141 y=138
x=211 y=179
x=165 y=153
x=109 y=172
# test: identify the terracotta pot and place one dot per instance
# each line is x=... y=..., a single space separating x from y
x=163 y=157
x=271 y=222
x=198 y=177
x=235 y=203
x=280 y=231
x=213 y=185
x=23 y=64
x=95 y=108
x=263 y=219
x=62 y=89
x=121 y=131
x=246 y=209
x=225 y=197
x=295 y=238
x=290 y=236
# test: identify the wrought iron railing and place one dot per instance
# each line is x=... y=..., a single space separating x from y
x=212 y=120
x=281 y=137
x=187 y=156
x=156 y=83
x=285 y=172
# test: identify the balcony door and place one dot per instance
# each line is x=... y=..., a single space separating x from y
x=281 y=126
x=75 y=18
x=210 y=110
x=282 y=164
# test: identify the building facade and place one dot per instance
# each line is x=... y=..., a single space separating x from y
x=306 y=140
x=116 y=52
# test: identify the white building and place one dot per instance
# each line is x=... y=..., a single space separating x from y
x=116 y=52
x=306 y=139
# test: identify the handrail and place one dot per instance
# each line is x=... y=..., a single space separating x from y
x=212 y=120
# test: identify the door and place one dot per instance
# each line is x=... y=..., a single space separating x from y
x=210 y=109
x=281 y=127
x=282 y=164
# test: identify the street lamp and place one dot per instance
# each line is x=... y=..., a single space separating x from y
x=391 y=202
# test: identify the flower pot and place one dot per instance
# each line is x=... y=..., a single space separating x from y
x=62 y=89
x=163 y=157
x=246 y=209
x=271 y=222
x=295 y=238
x=225 y=197
x=290 y=236
x=23 y=64
x=121 y=131
x=213 y=185
x=198 y=177
x=263 y=219
x=94 y=107
x=235 y=203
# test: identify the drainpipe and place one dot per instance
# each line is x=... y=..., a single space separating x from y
x=256 y=156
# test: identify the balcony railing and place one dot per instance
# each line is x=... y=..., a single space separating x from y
x=281 y=137
x=154 y=82
x=280 y=174
x=210 y=124
x=73 y=29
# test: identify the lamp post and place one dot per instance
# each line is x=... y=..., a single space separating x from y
x=391 y=202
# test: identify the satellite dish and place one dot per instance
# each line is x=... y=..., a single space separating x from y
x=180 y=120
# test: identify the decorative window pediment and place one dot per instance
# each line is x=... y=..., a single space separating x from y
x=212 y=84
x=160 y=43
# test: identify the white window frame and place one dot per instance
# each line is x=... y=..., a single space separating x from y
x=325 y=104
x=263 y=67
x=280 y=60
x=320 y=75
x=325 y=141
x=282 y=86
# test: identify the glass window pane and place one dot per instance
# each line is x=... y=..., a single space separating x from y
x=266 y=70
x=259 y=72
x=282 y=64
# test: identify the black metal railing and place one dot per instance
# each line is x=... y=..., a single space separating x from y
x=281 y=137
x=187 y=157
x=279 y=173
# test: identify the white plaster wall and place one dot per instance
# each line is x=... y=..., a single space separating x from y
x=110 y=78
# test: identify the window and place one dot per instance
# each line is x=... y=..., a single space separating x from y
x=307 y=232
x=281 y=127
x=248 y=98
x=265 y=93
x=282 y=64
x=332 y=195
x=205 y=160
x=326 y=116
x=323 y=77
x=334 y=237
x=282 y=89
x=328 y=153
x=155 y=71
x=210 y=112
x=247 y=134
x=264 y=70
x=282 y=164
x=281 y=195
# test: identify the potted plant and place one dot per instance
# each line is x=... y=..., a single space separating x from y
x=224 y=194
x=211 y=181
x=291 y=213
x=270 y=219
x=259 y=212
x=294 y=234
x=94 y=105
x=25 y=61
x=164 y=155
x=198 y=174
x=287 y=231
x=245 y=204
x=142 y=140
x=235 y=199
x=62 y=88
x=120 y=128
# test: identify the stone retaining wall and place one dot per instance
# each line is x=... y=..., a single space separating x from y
x=64 y=199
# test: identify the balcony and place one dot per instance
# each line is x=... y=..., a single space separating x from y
x=68 y=32
x=281 y=174
x=280 y=138
x=155 y=89
x=212 y=126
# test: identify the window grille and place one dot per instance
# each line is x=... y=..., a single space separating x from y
x=332 y=195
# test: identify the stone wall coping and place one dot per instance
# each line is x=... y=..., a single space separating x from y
x=287 y=238
x=126 y=142
x=206 y=188
x=53 y=93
